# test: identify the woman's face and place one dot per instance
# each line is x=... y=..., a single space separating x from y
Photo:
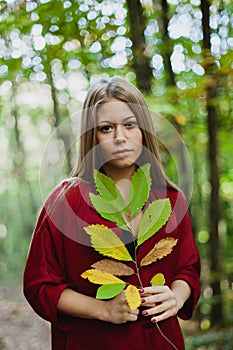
x=118 y=134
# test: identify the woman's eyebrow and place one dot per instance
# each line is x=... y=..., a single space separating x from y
x=110 y=122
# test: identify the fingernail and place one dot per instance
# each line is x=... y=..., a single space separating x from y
x=144 y=313
x=141 y=290
x=143 y=301
x=153 y=320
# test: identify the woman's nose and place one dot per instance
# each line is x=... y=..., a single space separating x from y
x=119 y=135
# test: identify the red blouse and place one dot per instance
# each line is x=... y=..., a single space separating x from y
x=60 y=252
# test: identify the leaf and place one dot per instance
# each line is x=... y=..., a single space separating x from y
x=155 y=216
x=100 y=277
x=116 y=268
x=109 y=192
x=139 y=189
x=107 y=211
x=161 y=249
x=158 y=280
x=105 y=186
x=106 y=242
x=133 y=297
x=109 y=291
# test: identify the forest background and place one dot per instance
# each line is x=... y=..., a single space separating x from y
x=180 y=55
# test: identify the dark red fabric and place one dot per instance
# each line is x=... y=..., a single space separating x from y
x=60 y=252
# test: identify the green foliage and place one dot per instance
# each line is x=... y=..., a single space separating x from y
x=212 y=340
x=110 y=204
x=107 y=189
x=109 y=291
x=108 y=210
x=106 y=242
x=140 y=180
x=155 y=216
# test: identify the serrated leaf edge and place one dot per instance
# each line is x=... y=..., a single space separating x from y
x=121 y=246
x=144 y=170
x=117 y=265
x=90 y=273
x=127 y=291
x=151 y=252
x=156 y=275
x=145 y=236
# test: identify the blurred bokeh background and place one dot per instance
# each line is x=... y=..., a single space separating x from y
x=180 y=55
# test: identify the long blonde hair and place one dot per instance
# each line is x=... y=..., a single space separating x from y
x=101 y=92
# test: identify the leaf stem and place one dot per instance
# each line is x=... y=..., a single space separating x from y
x=138 y=274
x=135 y=249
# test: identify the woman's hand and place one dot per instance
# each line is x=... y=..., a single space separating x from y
x=161 y=302
x=118 y=310
x=115 y=310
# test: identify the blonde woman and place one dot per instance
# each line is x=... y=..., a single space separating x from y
x=117 y=137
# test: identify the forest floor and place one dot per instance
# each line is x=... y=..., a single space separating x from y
x=20 y=327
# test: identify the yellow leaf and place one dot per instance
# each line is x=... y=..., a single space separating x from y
x=114 y=267
x=106 y=242
x=133 y=297
x=158 y=280
x=100 y=277
x=180 y=119
x=161 y=249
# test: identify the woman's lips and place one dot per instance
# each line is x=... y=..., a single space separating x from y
x=122 y=152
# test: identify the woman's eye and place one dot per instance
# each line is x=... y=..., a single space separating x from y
x=106 y=128
x=131 y=124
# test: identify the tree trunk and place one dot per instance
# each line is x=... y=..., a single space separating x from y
x=19 y=170
x=141 y=63
x=162 y=7
x=214 y=205
x=163 y=26
x=62 y=132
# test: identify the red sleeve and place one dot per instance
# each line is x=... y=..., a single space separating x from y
x=188 y=268
x=44 y=277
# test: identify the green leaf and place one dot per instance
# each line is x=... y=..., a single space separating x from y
x=109 y=291
x=158 y=280
x=107 y=211
x=139 y=188
x=109 y=192
x=155 y=216
x=107 y=188
x=106 y=242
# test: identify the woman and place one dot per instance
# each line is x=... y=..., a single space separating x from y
x=117 y=138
